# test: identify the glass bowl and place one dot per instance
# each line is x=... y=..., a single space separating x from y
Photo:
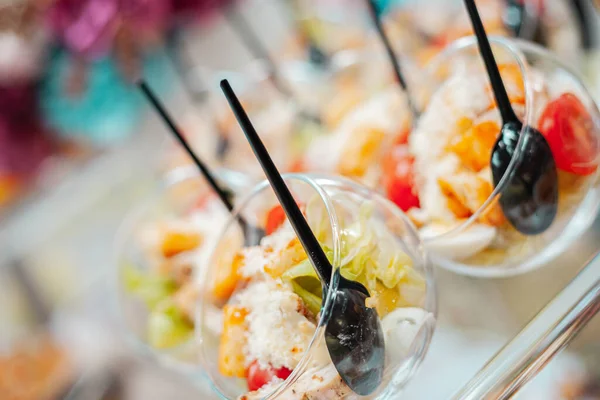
x=459 y=217
x=160 y=247
x=268 y=331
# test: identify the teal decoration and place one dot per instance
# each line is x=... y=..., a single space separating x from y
x=110 y=109
x=386 y=5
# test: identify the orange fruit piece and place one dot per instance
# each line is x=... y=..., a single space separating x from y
x=364 y=148
x=232 y=361
x=178 y=242
x=227 y=277
x=456 y=202
x=474 y=147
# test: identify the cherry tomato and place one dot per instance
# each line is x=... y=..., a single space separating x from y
x=258 y=377
x=571 y=134
x=275 y=218
x=399 y=178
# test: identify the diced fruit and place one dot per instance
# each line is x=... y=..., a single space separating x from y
x=467 y=193
x=178 y=270
x=275 y=218
x=402 y=136
x=232 y=361
x=168 y=327
x=571 y=134
x=474 y=147
x=227 y=277
x=185 y=300
x=454 y=202
x=289 y=257
x=259 y=377
x=385 y=299
x=361 y=151
x=151 y=289
x=398 y=178
x=174 y=243
x=297 y=166
x=493 y=214
x=341 y=105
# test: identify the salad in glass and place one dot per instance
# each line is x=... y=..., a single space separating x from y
x=443 y=173
x=271 y=342
x=162 y=247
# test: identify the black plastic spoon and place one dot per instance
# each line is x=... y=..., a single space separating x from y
x=530 y=199
x=250 y=39
x=251 y=233
x=375 y=15
x=353 y=335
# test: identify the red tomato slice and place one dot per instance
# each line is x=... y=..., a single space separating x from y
x=399 y=178
x=258 y=377
x=275 y=218
x=571 y=134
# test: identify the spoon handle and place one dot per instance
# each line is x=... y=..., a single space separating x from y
x=305 y=235
x=502 y=99
x=375 y=16
x=223 y=195
x=248 y=37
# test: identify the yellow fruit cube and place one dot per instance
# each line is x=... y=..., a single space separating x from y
x=232 y=361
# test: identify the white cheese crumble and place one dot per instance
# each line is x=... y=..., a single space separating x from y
x=257 y=258
x=278 y=333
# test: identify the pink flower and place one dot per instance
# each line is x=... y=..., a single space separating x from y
x=198 y=8
x=24 y=144
x=88 y=27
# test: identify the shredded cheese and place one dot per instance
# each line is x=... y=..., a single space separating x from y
x=278 y=333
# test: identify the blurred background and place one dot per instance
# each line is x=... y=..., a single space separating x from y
x=79 y=149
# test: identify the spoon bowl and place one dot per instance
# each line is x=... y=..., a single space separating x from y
x=530 y=202
x=355 y=339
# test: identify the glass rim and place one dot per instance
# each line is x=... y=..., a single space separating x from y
x=319 y=182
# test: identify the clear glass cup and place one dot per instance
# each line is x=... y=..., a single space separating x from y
x=477 y=240
x=421 y=28
x=142 y=284
x=332 y=205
